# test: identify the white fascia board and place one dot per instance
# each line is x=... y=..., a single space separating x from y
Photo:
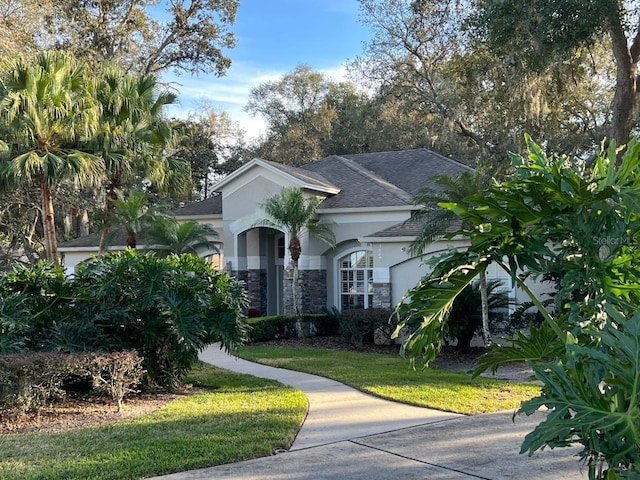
x=81 y=249
x=408 y=238
x=95 y=248
x=256 y=162
x=398 y=208
x=203 y=218
x=387 y=239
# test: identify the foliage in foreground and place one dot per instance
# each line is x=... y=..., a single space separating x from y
x=389 y=376
x=578 y=227
x=167 y=309
x=239 y=417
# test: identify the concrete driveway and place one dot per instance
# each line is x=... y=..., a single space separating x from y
x=349 y=435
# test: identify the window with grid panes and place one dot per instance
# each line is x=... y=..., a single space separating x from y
x=356 y=280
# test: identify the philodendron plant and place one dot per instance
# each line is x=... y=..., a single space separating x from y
x=576 y=226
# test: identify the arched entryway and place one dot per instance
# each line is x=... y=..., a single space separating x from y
x=261 y=255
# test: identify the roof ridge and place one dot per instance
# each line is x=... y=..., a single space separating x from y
x=439 y=155
x=302 y=172
x=390 y=187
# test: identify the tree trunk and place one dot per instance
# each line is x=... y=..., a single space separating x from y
x=484 y=307
x=48 y=223
x=83 y=223
x=296 y=300
x=295 y=249
x=112 y=194
x=626 y=70
x=131 y=240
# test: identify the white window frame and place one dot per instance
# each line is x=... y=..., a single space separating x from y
x=361 y=281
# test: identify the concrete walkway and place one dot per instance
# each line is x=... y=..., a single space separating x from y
x=349 y=435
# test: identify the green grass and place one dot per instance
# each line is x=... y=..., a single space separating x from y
x=389 y=376
x=243 y=417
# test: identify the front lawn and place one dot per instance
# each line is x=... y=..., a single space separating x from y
x=389 y=376
x=239 y=418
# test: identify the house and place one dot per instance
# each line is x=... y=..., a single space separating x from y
x=367 y=197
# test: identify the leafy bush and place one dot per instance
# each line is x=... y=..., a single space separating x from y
x=284 y=326
x=359 y=324
x=33 y=299
x=576 y=225
x=28 y=381
x=593 y=396
x=271 y=327
x=465 y=318
x=168 y=309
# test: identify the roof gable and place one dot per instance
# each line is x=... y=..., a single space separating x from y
x=303 y=179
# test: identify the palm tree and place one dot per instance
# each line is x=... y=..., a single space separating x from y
x=49 y=109
x=134 y=135
x=294 y=213
x=133 y=213
x=435 y=221
x=174 y=237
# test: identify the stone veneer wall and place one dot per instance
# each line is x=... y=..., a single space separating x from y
x=312 y=287
x=256 y=284
x=381 y=295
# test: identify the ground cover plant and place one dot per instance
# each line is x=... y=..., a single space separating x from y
x=577 y=226
x=390 y=376
x=233 y=417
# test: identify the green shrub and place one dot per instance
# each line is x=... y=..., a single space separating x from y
x=33 y=299
x=30 y=381
x=168 y=309
x=284 y=326
x=271 y=327
x=465 y=318
x=358 y=325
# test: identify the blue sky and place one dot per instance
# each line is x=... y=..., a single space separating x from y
x=273 y=37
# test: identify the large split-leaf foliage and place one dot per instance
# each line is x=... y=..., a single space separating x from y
x=167 y=309
x=574 y=225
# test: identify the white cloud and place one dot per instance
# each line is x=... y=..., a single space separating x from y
x=231 y=93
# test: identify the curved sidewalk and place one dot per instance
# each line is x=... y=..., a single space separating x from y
x=349 y=435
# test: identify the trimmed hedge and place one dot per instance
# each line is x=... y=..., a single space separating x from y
x=359 y=325
x=28 y=381
x=284 y=326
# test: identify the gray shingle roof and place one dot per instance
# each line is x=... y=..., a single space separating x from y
x=365 y=180
x=399 y=230
x=359 y=187
x=208 y=206
x=408 y=229
x=410 y=170
x=384 y=178
x=117 y=238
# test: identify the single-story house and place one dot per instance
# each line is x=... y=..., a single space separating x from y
x=367 y=197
